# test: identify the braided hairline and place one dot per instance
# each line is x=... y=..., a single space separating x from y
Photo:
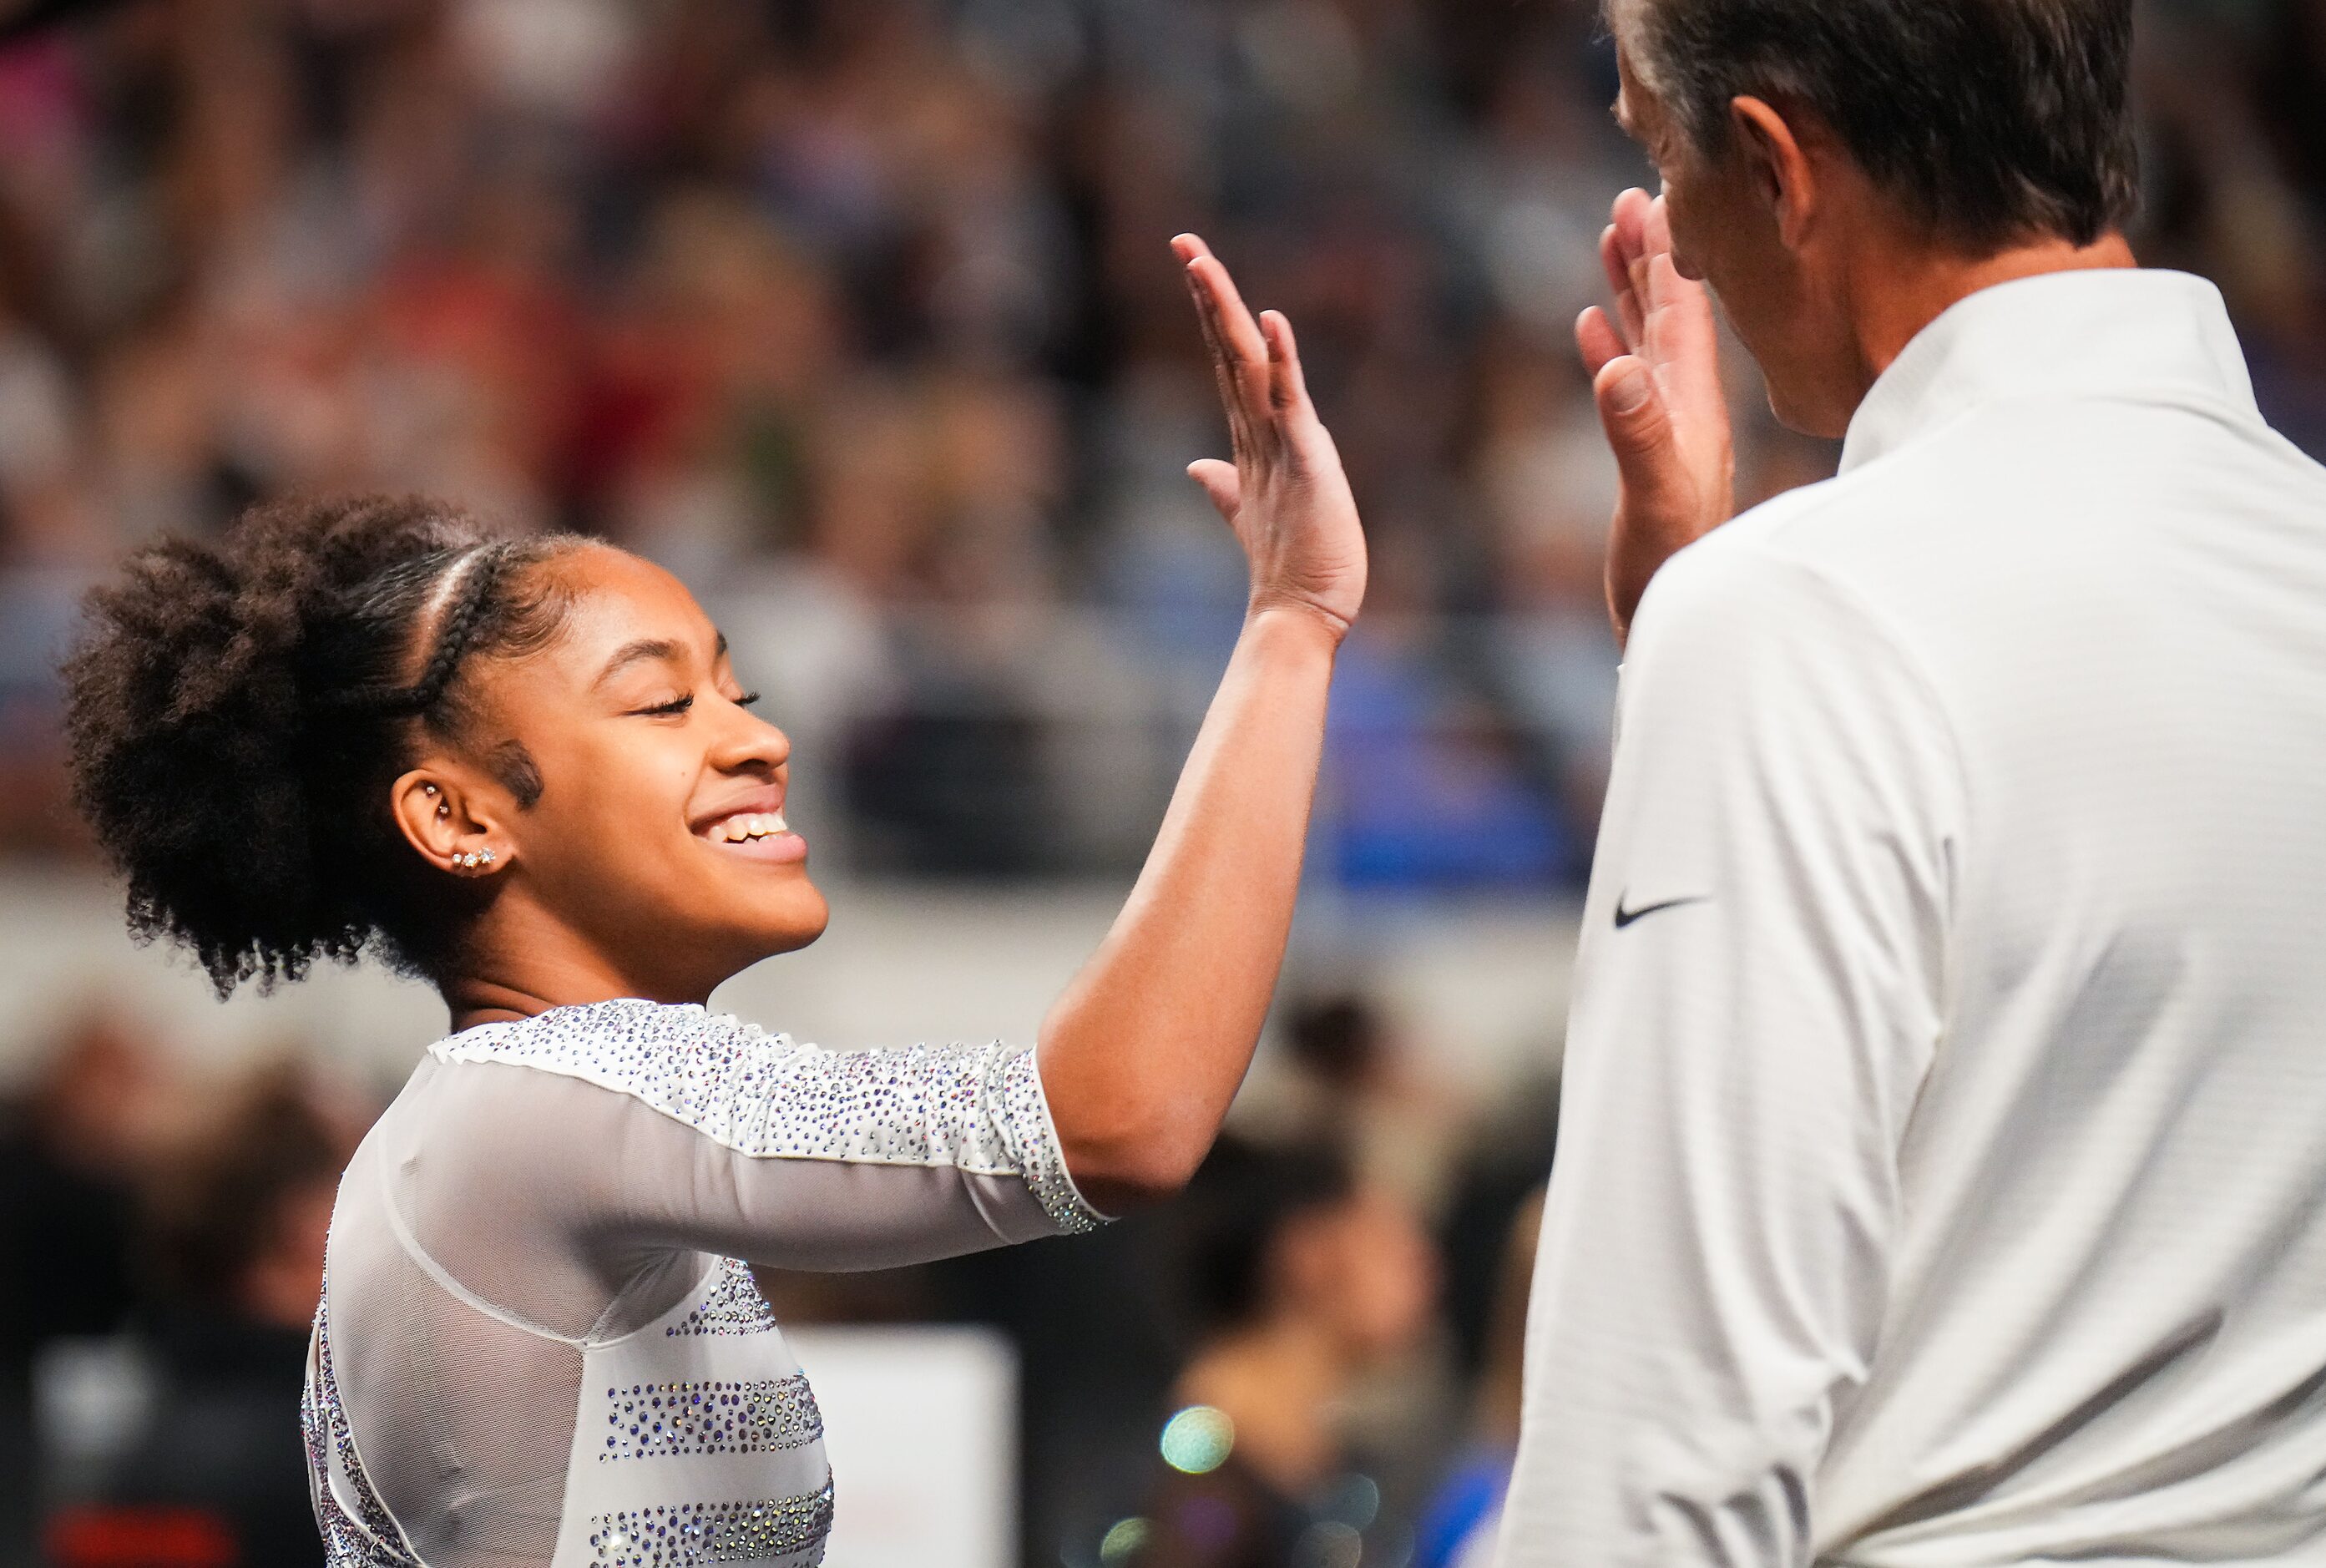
x=468 y=586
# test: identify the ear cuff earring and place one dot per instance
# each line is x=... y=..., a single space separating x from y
x=472 y=859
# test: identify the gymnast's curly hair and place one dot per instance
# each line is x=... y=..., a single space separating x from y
x=237 y=710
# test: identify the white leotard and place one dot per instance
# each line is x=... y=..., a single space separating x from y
x=535 y=1344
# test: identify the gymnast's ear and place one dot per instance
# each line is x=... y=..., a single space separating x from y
x=442 y=817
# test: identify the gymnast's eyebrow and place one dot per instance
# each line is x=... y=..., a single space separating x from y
x=646 y=648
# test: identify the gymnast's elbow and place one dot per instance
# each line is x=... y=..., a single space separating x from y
x=1122 y=1169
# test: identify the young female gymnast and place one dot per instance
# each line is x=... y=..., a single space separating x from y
x=524 y=771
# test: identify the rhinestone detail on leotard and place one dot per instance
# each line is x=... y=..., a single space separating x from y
x=686 y=1535
x=765 y=1415
x=1041 y=1165
x=370 y=1537
x=979 y=1109
x=734 y=1306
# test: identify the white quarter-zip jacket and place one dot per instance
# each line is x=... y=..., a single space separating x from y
x=1942 y=1176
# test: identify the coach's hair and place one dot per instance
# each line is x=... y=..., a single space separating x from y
x=237 y=710
x=1988 y=121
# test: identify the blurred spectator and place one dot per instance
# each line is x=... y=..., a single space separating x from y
x=1506 y=1157
x=214 y=1475
x=1350 y=1079
x=74 y=1146
x=1303 y=1280
x=1458 y=1529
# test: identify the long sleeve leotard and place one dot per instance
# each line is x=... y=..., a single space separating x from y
x=539 y=1341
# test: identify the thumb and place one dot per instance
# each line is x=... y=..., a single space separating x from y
x=1221 y=482
x=1639 y=427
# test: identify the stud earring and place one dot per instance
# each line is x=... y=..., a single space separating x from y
x=484 y=857
x=443 y=808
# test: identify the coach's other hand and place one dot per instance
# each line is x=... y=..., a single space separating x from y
x=1655 y=374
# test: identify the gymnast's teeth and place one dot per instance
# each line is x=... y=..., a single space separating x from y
x=744 y=826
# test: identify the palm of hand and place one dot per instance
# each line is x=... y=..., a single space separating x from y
x=1285 y=493
x=1655 y=374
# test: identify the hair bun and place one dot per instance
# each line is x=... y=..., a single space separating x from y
x=186 y=719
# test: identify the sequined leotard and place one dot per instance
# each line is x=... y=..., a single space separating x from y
x=535 y=1344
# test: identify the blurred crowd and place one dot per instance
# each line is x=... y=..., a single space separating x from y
x=859 y=314
x=161 y=1239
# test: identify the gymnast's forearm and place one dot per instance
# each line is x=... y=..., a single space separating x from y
x=1142 y=1055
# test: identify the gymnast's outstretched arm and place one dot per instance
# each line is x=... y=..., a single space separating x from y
x=1142 y=1055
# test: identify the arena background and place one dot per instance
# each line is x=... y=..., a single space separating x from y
x=858 y=315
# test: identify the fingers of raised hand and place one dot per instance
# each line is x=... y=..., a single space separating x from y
x=1631 y=212
x=1288 y=386
x=1216 y=350
x=1239 y=353
x=1229 y=319
x=1683 y=340
x=1630 y=216
x=1655 y=229
x=1598 y=339
x=1617 y=265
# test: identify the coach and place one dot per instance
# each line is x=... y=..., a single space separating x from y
x=1942 y=1172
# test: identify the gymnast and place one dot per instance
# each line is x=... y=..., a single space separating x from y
x=524 y=771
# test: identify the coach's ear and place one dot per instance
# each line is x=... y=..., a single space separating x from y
x=1778 y=163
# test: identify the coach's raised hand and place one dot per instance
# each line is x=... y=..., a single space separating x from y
x=1285 y=493
x=1655 y=374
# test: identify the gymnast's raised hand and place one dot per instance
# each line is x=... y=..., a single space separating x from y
x=1284 y=494
x=1164 y=1019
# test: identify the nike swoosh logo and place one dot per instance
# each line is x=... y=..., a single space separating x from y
x=1624 y=917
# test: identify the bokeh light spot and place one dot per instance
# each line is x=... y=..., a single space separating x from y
x=1198 y=1440
x=1328 y=1544
x=1126 y=1537
x=1354 y=1501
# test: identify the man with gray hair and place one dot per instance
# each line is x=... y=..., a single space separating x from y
x=1942 y=1167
